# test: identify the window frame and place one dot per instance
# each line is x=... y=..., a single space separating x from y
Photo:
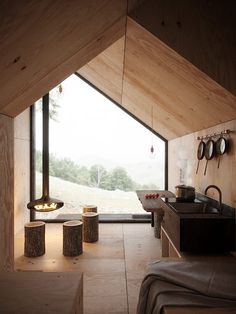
x=146 y=218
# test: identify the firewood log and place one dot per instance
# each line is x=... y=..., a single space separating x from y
x=72 y=238
x=90 y=228
x=34 y=239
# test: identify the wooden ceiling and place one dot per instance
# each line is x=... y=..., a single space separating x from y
x=45 y=42
x=152 y=76
x=203 y=32
x=106 y=70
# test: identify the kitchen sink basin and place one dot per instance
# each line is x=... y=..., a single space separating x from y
x=198 y=227
x=194 y=208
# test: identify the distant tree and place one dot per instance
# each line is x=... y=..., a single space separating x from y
x=97 y=174
x=64 y=168
x=120 y=180
x=150 y=186
x=106 y=182
x=54 y=97
x=83 y=176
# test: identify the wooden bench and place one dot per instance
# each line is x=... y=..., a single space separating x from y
x=39 y=292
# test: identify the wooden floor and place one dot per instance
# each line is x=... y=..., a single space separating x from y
x=113 y=267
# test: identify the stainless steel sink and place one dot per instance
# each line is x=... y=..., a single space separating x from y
x=194 y=208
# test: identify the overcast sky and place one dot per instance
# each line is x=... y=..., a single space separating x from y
x=90 y=125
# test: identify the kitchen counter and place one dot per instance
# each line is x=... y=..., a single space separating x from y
x=153 y=205
x=197 y=233
x=165 y=201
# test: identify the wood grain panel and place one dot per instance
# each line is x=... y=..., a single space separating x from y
x=134 y=4
x=41 y=292
x=6 y=194
x=204 y=32
x=183 y=165
x=43 y=42
x=106 y=70
x=184 y=98
x=21 y=169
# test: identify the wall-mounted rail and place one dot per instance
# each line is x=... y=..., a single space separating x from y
x=224 y=132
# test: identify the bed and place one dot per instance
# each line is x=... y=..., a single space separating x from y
x=170 y=284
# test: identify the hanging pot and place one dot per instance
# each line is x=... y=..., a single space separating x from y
x=209 y=152
x=221 y=147
x=200 y=153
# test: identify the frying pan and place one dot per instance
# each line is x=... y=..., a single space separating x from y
x=209 y=152
x=200 y=153
x=221 y=147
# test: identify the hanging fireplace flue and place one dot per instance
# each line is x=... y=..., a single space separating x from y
x=45 y=203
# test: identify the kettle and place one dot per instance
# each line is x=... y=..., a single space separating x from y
x=185 y=193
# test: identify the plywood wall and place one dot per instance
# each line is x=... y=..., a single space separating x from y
x=21 y=169
x=6 y=194
x=183 y=164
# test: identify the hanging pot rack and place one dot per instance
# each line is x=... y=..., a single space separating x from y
x=224 y=132
x=212 y=148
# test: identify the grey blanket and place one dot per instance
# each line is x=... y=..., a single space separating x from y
x=188 y=283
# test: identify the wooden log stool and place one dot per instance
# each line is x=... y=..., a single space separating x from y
x=34 y=239
x=72 y=238
x=90 y=208
x=90 y=229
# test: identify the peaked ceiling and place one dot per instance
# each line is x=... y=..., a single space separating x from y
x=143 y=74
x=175 y=59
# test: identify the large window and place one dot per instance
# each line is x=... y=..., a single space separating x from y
x=99 y=155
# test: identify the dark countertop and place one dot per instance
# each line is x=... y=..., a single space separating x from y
x=168 y=201
x=167 y=197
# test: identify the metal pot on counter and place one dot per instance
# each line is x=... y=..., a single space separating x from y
x=184 y=193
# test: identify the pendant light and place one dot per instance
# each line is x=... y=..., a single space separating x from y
x=152 y=150
x=45 y=203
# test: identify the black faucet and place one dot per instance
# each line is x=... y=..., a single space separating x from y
x=220 y=195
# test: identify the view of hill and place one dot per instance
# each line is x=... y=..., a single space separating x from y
x=143 y=172
x=75 y=196
x=126 y=177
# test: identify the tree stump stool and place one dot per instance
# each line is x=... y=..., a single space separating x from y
x=34 y=239
x=90 y=208
x=90 y=228
x=72 y=238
